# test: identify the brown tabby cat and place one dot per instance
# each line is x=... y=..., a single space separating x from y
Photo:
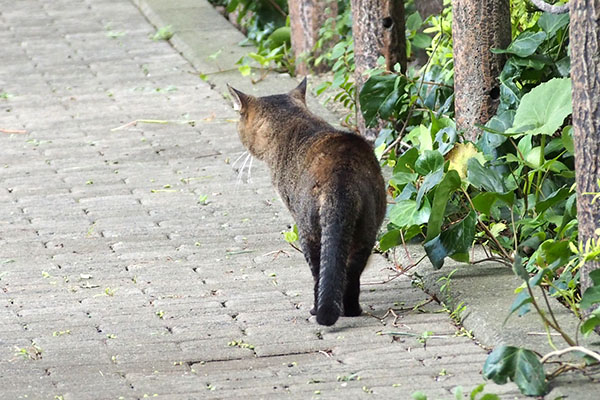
x=330 y=181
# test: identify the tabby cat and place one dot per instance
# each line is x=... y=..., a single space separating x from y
x=330 y=181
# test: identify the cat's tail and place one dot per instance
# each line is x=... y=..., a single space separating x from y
x=336 y=228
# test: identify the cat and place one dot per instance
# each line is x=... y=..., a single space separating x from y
x=332 y=185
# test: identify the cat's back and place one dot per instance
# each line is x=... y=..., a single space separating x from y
x=338 y=161
x=335 y=152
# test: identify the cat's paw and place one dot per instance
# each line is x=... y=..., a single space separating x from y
x=352 y=311
x=313 y=311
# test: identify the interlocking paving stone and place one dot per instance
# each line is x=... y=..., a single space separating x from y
x=115 y=282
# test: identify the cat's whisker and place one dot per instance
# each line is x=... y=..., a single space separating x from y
x=241 y=170
x=250 y=168
x=238 y=159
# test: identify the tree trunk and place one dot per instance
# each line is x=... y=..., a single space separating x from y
x=378 y=30
x=425 y=8
x=306 y=18
x=429 y=7
x=477 y=27
x=585 y=74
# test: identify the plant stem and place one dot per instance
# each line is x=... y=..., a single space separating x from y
x=549 y=308
x=581 y=349
x=400 y=134
x=276 y=6
x=486 y=230
x=545 y=319
x=492 y=258
x=538 y=188
x=412 y=107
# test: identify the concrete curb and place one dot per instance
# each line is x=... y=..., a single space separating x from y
x=201 y=32
x=487 y=290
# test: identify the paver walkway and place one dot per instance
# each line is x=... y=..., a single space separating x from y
x=118 y=279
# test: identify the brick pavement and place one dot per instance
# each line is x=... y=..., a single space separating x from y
x=117 y=281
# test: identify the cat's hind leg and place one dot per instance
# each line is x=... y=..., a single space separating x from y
x=311 y=247
x=356 y=264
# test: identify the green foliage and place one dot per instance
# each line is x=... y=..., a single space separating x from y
x=544 y=109
x=378 y=100
x=414 y=38
x=291 y=236
x=521 y=366
x=274 y=53
x=514 y=183
x=267 y=27
x=164 y=33
x=458 y=394
x=339 y=58
x=511 y=191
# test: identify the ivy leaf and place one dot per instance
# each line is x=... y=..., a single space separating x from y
x=389 y=239
x=460 y=155
x=484 y=178
x=492 y=136
x=510 y=94
x=445 y=139
x=292 y=235
x=393 y=238
x=536 y=62
x=379 y=96
x=430 y=181
x=400 y=179
x=558 y=196
x=454 y=242
x=524 y=45
x=520 y=365
x=406 y=213
x=484 y=201
x=554 y=253
x=519 y=269
x=564 y=66
x=420 y=137
x=449 y=184
x=419 y=396
x=532 y=158
x=591 y=322
x=421 y=41
x=521 y=303
x=543 y=110
x=406 y=162
x=279 y=36
x=245 y=70
x=413 y=22
x=591 y=295
x=501 y=122
x=567 y=139
x=429 y=161
x=551 y=23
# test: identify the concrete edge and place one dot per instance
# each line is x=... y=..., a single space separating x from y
x=197 y=45
x=487 y=290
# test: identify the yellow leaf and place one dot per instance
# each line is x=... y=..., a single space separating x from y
x=460 y=154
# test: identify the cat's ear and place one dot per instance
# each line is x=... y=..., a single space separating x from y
x=240 y=100
x=300 y=91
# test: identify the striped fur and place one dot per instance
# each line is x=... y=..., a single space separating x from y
x=330 y=181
